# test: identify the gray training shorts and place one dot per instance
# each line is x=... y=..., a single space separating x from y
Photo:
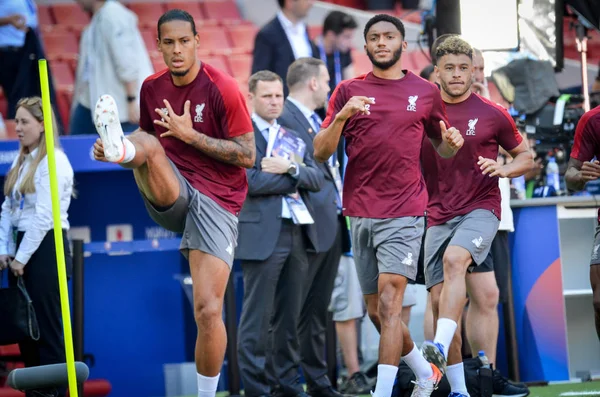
x=474 y=232
x=206 y=226
x=347 y=299
x=595 y=260
x=385 y=246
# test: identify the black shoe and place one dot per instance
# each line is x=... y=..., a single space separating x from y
x=327 y=392
x=358 y=383
x=505 y=388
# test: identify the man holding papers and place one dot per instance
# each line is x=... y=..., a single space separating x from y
x=308 y=82
x=272 y=244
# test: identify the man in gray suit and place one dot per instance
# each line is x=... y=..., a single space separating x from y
x=272 y=246
x=308 y=81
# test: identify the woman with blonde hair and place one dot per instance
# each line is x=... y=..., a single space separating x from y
x=26 y=237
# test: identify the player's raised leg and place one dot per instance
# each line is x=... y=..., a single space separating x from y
x=141 y=151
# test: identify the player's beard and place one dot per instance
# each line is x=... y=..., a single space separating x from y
x=387 y=64
x=178 y=73
x=446 y=89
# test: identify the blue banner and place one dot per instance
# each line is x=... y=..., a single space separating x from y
x=538 y=299
x=77 y=148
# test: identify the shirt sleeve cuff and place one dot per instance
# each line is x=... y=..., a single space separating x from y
x=22 y=257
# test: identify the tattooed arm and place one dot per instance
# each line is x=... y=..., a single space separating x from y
x=240 y=151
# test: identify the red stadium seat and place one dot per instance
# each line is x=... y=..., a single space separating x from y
x=6 y=392
x=361 y=62
x=157 y=61
x=218 y=62
x=11 y=133
x=69 y=14
x=3 y=112
x=45 y=15
x=147 y=13
x=192 y=7
x=96 y=388
x=61 y=73
x=10 y=351
x=359 y=4
x=315 y=31
x=64 y=98
x=149 y=36
x=214 y=39
x=91 y=388
x=203 y=23
x=242 y=37
x=221 y=10
x=60 y=45
x=240 y=66
x=415 y=61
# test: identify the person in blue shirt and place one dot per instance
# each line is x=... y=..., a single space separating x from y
x=20 y=50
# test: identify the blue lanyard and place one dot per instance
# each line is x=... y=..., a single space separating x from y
x=31 y=6
x=337 y=64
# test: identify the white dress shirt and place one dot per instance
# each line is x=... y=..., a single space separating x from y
x=32 y=213
x=266 y=129
x=297 y=36
x=106 y=49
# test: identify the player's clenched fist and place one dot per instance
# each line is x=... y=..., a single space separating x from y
x=356 y=104
x=590 y=171
x=451 y=136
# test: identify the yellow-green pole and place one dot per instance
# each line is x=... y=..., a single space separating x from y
x=58 y=237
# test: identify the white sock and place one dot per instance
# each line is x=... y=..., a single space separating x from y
x=207 y=386
x=444 y=333
x=129 y=151
x=456 y=378
x=418 y=364
x=386 y=377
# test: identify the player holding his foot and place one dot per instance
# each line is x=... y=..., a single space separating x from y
x=584 y=167
x=384 y=116
x=464 y=203
x=188 y=160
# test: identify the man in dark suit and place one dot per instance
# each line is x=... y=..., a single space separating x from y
x=308 y=80
x=284 y=39
x=272 y=245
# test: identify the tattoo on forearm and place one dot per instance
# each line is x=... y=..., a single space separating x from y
x=239 y=151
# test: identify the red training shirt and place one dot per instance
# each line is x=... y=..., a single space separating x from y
x=456 y=185
x=218 y=110
x=586 y=144
x=383 y=178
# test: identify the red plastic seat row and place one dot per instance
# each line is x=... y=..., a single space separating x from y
x=214 y=40
x=413 y=61
x=237 y=66
x=149 y=13
x=91 y=388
